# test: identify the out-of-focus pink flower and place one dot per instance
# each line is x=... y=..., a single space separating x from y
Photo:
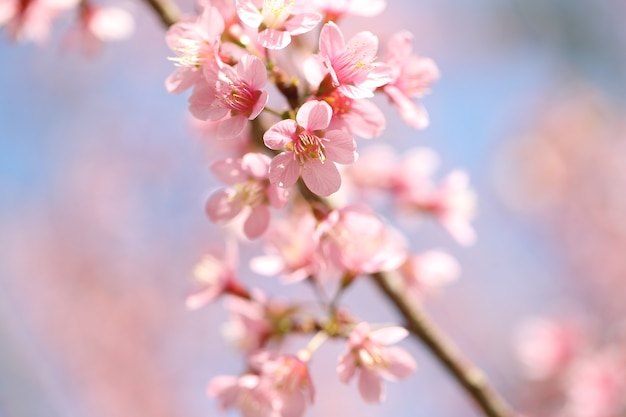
x=292 y=249
x=31 y=20
x=310 y=150
x=412 y=77
x=358 y=117
x=426 y=272
x=231 y=93
x=277 y=20
x=546 y=348
x=196 y=42
x=251 y=191
x=336 y=9
x=346 y=66
x=249 y=327
x=216 y=273
x=358 y=242
x=98 y=25
x=246 y=393
x=596 y=386
x=367 y=353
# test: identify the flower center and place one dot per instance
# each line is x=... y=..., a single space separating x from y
x=276 y=12
x=250 y=192
x=238 y=97
x=308 y=146
x=193 y=53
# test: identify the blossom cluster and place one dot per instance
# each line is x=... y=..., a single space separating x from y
x=288 y=95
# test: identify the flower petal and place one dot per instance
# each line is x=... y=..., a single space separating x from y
x=229 y=171
x=371 y=386
x=252 y=70
x=284 y=170
x=274 y=39
x=302 y=22
x=223 y=206
x=314 y=115
x=341 y=148
x=280 y=134
x=401 y=364
x=257 y=222
x=321 y=178
x=332 y=42
x=346 y=367
x=248 y=13
x=388 y=335
x=231 y=127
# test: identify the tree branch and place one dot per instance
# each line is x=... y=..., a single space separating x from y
x=166 y=10
x=471 y=378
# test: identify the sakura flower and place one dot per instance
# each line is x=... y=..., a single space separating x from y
x=292 y=249
x=412 y=77
x=346 y=66
x=356 y=241
x=336 y=9
x=277 y=20
x=251 y=192
x=426 y=272
x=358 y=117
x=231 y=93
x=310 y=150
x=249 y=327
x=216 y=274
x=98 y=25
x=31 y=20
x=196 y=43
x=246 y=393
x=546 y=348
x=367 y=353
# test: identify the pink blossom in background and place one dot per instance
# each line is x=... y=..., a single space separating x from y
x=196 y=42
x=31 y=20
x=358 y=117
x=250 y=191
x=232 y=95
x=248 y=328
x=310 y=150
x=337 y=9
x=277 y=20
x=346 y=66
x=412 y=77
x=368 y=355
x=425 y=273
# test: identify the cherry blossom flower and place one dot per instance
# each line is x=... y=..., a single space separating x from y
x=251 y=192
x=249 y=327
x=98 y=25
x=231 y=93
x=412 y=77
x=277 y=20
x=292 y=249
x=546 y=347
x=31 y=20
x=246 y=393
x=310 y=150
x=356 y=241
x=367 y=353
x=346 y=66
x=428 y=271
x=358 y=117
x=196 y=43
x=216 y=273
x=336 y=9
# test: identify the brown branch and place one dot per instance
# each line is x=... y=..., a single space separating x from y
x=166 y=10
x=471 y=378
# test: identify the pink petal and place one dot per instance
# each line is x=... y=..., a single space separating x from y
x=203 y=297
x=302 y=23
x=229 y=171
x=358 y=334
x=342 y=147
x=401 y=364
x=259 y=105
x=256 y=164
x=252 y=70
x=371 y=386
x=267 y=265
x=284 y=170
x=365 y=119
x=399 y=45
x=257 y=222
x=274 y=39
x=321 y=178
x=331 y=40
x=388 y=335
x=277 y=196
x=222 y=207
x=182 y=79
x=224 y=387
x=231 y=127
x=292 y=404
x=212 y=21
x=249 y=14
x=346 y=366
x=314 y=115
x=280 y=134
x=367 y=8
x=411 y=113
x=356 y=91
x=363 y=45
x=202 y=103
x=314 y=70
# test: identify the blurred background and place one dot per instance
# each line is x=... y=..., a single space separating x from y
x=103 y=181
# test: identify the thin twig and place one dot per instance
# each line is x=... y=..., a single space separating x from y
x=166 y=10
x=470 y=377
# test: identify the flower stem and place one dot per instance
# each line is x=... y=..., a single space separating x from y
x=166 y=10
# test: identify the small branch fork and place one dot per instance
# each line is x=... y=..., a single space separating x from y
x=418 y=323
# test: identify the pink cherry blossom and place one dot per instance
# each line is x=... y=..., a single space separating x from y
x=310 y=150
x=31 y=20
x=412 y=77
x=358 y=117
x=357 y=241
x=98 y=25
x=292 y=249
x=367 y=353
x=249 y=327
x=231 y=94
x=336 y=9
x=196 y=42
x=216 y=274
x=545 y=347
x=277 y=20
x=428 y=271
x=347 y=66
x=246 y=393
x=251 y=192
